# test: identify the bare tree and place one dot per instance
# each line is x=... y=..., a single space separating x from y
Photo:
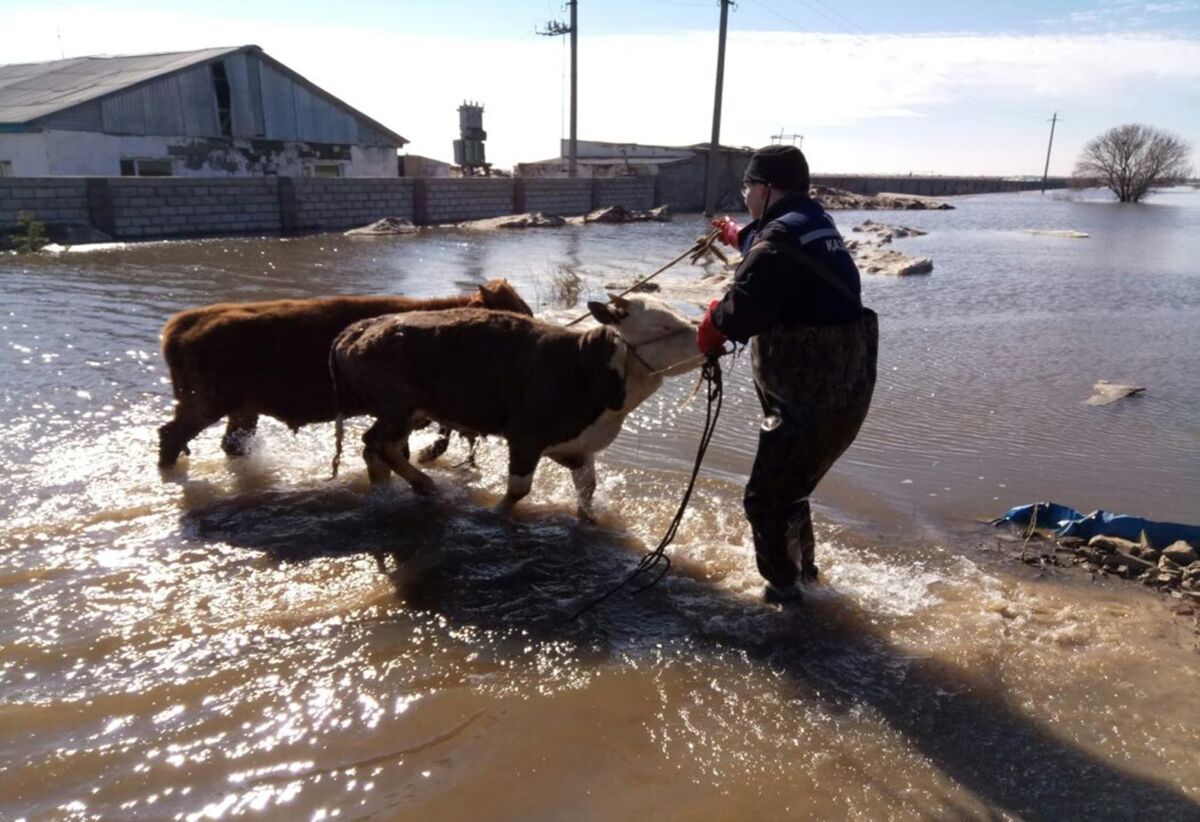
x=1134 y=159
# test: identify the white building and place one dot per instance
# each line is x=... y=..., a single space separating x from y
x=215 y=112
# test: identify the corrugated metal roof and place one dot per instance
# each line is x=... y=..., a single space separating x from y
x=30 y=91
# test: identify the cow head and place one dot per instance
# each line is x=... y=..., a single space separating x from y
x=664 y=338
x=499 y=295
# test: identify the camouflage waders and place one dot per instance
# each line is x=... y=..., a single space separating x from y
x=815 y=385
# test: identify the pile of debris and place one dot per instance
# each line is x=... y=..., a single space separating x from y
x=835 y=199
x=1174 y=568
x=620 y=214
x=387 y=227
x=872 y=258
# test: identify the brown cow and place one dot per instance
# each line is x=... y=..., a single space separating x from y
x=548 y=390
x=239 y=360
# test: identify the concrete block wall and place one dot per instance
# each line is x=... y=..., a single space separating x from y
x=449 y=200
x=144 y=208
x=930 y=186
x=681 y=185
x=48 y=199
x=329 y=204
x=631 y=192
x=565 y=197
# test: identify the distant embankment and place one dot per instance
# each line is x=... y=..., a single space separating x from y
x=143 y=208
x=932 y=186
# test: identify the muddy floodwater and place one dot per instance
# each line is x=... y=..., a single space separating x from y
x=254 y=638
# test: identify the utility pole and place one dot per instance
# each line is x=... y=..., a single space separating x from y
x=553 y=29
x=1046 y=170
x=710 y=181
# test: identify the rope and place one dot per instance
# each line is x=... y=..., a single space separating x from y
x=699 y=248
x=716 y=392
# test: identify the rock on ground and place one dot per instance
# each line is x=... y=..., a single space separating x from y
x=1181 y=553
x=1106 y=392
x=386 y=227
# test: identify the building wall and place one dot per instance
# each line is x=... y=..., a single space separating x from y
x=88 y=154
x=27 y=153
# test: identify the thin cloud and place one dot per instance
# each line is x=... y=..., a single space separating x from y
x=955 y=102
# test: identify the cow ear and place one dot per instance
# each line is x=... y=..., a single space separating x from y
x=487 y=290
x=602 y=313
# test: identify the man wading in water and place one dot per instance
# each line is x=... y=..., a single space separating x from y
x=797 y=295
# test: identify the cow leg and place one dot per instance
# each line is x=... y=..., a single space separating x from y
x=583 y=475
x=436 y=448
x=174 y=436
x=238 y=430
x=386 y=446
x=584 y=478
x=378 y=471
x=522 y=462
x=472 y=442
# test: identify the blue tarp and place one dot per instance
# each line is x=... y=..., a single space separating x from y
x=1067 y=522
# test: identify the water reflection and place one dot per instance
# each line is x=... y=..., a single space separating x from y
x=251 y=635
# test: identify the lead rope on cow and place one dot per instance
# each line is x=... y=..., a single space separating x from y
x=658 y=559
x=703 y=245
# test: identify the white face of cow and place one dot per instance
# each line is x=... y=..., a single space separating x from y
x=663 y=337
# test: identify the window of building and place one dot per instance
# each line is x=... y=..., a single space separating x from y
x=146 y=167
x=221 y=89
x=322 y=169
x=5 y=168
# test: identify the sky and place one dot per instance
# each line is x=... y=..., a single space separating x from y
x=874 y=86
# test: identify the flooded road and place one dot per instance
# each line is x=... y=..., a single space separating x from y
x=242 y=637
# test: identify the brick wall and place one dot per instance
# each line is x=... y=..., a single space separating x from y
x=144 y=208
x=681 y=185
x=631 y=192
x=325 y=204
x=450 y=200
x=565 y=197
x=49 y=199
x=931 y=186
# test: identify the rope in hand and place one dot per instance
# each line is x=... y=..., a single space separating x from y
x=703 y=245
x=657 y=559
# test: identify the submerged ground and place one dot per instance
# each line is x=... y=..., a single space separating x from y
x=254 y=636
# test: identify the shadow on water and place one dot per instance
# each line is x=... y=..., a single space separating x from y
x=473 y=567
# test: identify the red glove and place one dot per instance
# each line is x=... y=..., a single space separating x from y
x=729 y=230
x=709 y=338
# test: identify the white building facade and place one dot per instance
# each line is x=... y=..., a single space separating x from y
x=216 y=112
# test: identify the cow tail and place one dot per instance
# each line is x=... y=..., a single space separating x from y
x=339 y=425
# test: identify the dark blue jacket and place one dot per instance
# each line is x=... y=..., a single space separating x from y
x=774 y=285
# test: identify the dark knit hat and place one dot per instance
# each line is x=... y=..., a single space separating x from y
x=782 y=167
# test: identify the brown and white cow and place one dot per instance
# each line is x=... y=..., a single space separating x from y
x=548 y=390
x=240 y=360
